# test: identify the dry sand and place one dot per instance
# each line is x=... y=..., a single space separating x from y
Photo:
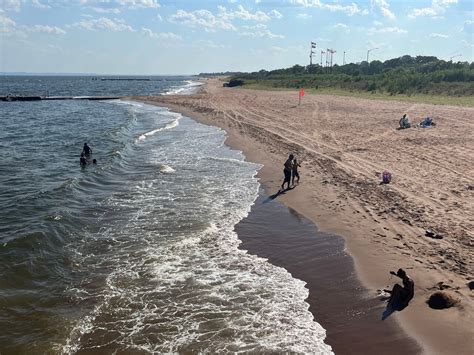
x=344 y=144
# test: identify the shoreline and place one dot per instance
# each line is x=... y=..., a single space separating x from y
x=376 y=242
x=369 y=305
x=336 y=299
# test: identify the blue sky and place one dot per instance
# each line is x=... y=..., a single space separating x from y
x=192 y=36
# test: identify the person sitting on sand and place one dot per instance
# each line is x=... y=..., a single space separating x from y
x=427 y=122
x=83 y=160
x=295 y=172
x=400 y=296
x=87 y=150
x=404 y=123
x=287 y=171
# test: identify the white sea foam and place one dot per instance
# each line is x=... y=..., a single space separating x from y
x=189 y=88
x=169 y=125
x=166 y=169
x=175 y=278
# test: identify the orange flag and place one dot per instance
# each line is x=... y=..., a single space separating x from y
x=301 y=92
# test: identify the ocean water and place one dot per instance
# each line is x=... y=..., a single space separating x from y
x=137 y=253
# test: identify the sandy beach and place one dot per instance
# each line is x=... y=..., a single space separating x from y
x=344 y=144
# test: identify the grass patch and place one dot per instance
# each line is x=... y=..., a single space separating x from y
x=467 y=101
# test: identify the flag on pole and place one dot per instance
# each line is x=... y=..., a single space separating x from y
x=301 y=94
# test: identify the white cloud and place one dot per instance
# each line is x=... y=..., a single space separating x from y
x=47 y=29
x=201 y=18
x=376 y=45
x=321 y=39
x=279 y=49
x=103 y=23
x=350 y=10
x=211 y=44
x=116 y=6
x=242 y=14
x=245 y=15
x=438 y=35
x=275 y=14
x=159 y=18
x=36 y=3
x=11 y=5
x=304 y=16
x=7 y=25
x=223 y=19
x=105 y=10
x=437 y=9
x=151 y=4
x=259 y=26
x=161 y=35
x=423 y=12
x=384 y=8
x=468 y=27
x=387 y=30
x=259 y=31
x=341 y=25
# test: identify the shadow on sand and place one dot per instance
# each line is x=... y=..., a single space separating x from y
x=275 y=195
x=393 y=306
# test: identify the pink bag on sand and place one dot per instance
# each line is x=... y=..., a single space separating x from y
x=386 y=177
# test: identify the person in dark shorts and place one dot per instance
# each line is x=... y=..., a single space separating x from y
x=288 y=166
x=295 y=172
x=86 y=150
x=83 y=160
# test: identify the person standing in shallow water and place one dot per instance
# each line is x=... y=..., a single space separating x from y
x=86 y=150
x=82 y=160
x=288 y=166
x=295 y=172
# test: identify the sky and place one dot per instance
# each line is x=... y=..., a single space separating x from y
x=164 y=37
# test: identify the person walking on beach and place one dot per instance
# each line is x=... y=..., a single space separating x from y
x=86 y=150
x=295 y=172
x=288 y=166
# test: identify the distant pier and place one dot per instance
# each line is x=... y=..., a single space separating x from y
x=124 y=79
x=45 y=98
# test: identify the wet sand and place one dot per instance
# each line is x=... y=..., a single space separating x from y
x=344 y=143
x=350 y=313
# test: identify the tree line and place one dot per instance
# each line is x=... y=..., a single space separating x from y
x=403 y=75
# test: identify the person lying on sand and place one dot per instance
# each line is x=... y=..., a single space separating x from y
x=288 y=166
x=427 y=122
x=401 y=296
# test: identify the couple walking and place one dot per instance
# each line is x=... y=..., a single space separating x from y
x=290 y=171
